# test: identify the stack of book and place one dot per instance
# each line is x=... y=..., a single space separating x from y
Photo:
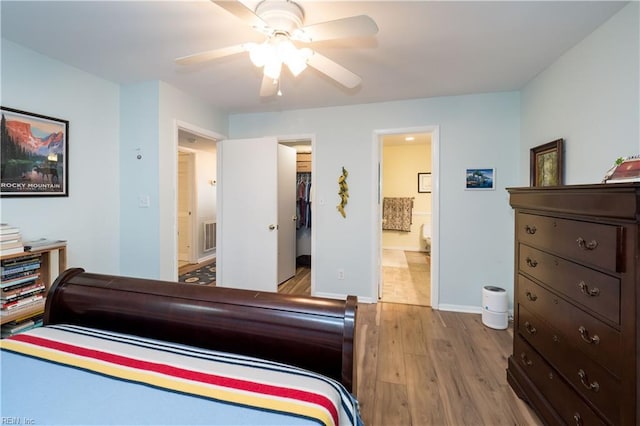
x=18 y=326
x=10 y=240
x=20 y=285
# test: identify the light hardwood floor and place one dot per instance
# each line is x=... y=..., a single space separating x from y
x=418 y=366
x=421 y=367
x=406 y=277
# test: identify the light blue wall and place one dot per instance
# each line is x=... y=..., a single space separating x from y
x=589 y=97
x=89 y=218
x=176 y=105
x=139 y=135
x=150 y=112
x=476 y=245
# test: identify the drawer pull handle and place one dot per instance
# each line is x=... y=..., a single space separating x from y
x=530 y=329
x=530 y=229
x=584 y=288
x=578 y=419
x=532 y=262
x=525 y=360
x=584 y=379
x=584 y=333
x=584 y=245
x=531 y=297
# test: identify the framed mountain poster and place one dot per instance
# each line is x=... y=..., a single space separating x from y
x=34 y=155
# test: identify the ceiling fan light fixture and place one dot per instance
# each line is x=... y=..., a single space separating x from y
x=259 y=53
x=297 y=60
x=273 y=67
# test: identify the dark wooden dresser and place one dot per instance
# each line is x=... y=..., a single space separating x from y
x=576 y=306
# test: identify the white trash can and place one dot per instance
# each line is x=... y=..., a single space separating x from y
x=495 y=307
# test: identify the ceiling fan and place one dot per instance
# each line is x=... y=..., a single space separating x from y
x=281 y=21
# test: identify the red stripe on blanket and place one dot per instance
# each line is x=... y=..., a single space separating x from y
x=212 y=379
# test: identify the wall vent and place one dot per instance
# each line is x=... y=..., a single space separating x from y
x=209 y=236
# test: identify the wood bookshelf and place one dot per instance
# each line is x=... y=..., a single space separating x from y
x=49 y=270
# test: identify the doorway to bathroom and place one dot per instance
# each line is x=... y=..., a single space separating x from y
x=406 y=200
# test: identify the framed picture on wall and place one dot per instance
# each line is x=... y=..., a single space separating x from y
x=480 y=179
x=546 y=163
x=424 y=182
x=34 y=155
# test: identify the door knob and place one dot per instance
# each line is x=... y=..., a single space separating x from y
x=272 y=227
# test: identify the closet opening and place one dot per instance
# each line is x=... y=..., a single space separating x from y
x=300 y=283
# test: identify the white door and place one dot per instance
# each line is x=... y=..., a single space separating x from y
x=247 y=240
x=185 y=202
x=286 y=213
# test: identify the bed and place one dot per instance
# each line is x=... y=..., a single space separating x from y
x=120 y=350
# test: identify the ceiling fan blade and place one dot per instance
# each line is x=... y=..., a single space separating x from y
x=210 y=55
x=334 y=70
x=269 y=86
x=354 y=26
x=243 y=13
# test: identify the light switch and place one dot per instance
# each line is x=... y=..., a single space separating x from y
x=143 y=201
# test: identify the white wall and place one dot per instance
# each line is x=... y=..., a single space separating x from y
x=589 y=97
x=89 y=218
x=475 y=227
x=206 y=167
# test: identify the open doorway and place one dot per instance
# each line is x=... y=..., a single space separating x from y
x=406 y=217
x=195 y=200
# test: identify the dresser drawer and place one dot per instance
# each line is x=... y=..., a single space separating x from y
x=580 y=329
x=593 y=243
x=594 y=290
x=569 y=406
x=592 y=381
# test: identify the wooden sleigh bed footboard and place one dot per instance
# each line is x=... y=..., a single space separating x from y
x=317 y=334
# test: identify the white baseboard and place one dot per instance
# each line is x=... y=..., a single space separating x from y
x=207 y=258
x=407 y=248
x=466 y=309
x=343 y=297
x=459 y=308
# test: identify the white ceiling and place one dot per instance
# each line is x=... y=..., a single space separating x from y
x=423 y=48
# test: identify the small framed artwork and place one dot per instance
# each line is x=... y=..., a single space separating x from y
x=424 y=182
x=34 y=155
x=480 y=179
x=546 y=163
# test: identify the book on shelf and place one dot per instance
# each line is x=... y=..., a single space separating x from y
x=8 y=285
x=10 y=244
x=5 y=229
x=10 y=237
x=43 y=244
x=21 y=325
x=21 y=260
x=17 y=275
x=9 y=306
x=6 y=252
x=10 y=240
x=6 y=270
x=22 y=290
x=27 y=296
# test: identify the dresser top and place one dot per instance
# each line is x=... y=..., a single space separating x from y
x=612 y=200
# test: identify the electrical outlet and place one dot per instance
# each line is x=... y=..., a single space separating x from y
x=341 y=274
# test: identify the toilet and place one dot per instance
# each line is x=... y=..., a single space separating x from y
x=426 y=236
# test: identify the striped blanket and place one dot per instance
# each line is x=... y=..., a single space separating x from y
x=198 y=386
